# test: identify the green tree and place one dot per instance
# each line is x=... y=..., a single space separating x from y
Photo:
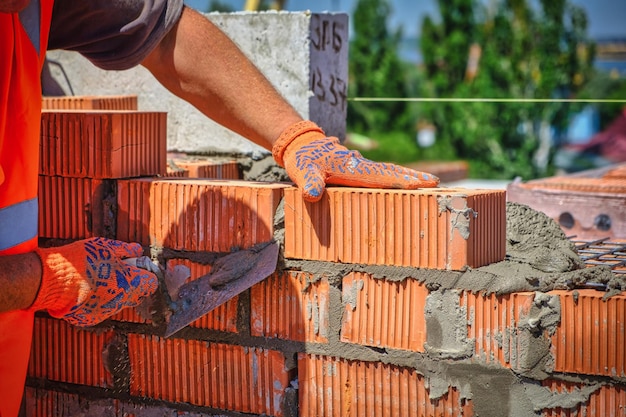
x=220 y=6
x=525 y=53
x=376 y=70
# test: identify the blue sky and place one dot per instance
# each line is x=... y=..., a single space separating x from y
x=607 y=18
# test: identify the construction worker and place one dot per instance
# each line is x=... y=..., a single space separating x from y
x=87 y=281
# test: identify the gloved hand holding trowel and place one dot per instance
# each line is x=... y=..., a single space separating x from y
x=89 y=280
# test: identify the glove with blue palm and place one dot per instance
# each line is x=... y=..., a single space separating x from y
x=87 y=281
x=313 y=160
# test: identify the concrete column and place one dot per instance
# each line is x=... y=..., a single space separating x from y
x=303 y=54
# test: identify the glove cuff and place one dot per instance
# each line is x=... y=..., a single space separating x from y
x=57 y=292
x=289 y=135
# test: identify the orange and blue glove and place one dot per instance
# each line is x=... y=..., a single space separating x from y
x=313 y=160
x=87 y=281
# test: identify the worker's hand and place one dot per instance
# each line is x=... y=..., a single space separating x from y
x=87 y=281
x=313 y=160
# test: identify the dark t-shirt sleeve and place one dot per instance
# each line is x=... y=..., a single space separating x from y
x=112 y=34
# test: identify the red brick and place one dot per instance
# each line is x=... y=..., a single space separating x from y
x=74 y=208
x=337 y=387
x=494 y=326
x=90 y=103
x=383 y=313
x=227 y=377
x=103 y=144
x=587 y=340
x=197 y=214
x=580 y=202
x=430 y=228
x=67 y=353
x=176 y=172
x=604 y=401
x=228 y=170
x=291 y=306
x=591 y=336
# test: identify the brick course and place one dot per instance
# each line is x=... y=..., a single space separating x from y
x=196 y=214
x=430 y=228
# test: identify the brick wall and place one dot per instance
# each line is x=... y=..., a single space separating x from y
x=345 y=327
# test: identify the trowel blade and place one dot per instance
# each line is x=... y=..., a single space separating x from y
x=231 y=275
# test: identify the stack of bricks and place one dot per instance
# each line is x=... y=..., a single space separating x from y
x=588 y=205
x=344 y=327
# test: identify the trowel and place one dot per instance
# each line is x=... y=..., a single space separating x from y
x=230 y=275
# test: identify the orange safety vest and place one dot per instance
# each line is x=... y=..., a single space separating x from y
x=23 y=43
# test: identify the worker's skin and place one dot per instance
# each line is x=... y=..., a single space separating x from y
x=200 y=64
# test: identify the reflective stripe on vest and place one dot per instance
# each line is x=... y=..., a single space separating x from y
x=29 y=17
x=21 y=220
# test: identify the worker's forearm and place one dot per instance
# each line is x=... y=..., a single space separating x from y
x=200 y=64
x=20 y=277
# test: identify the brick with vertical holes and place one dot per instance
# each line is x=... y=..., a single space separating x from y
x=69 y=354
x=383 y=313
x=437 y=228
x=126 y=102
x=334 y=387
x=227 y=377
x=103 y=144
x=291 y=306
x=196 y=214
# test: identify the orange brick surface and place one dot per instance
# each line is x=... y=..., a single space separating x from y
x=103 y=144
x=592 y=334
x=341 y=388
x=493 y=324
x=176 y=172
x=383 y=313
x=90 y=103
x=587 y=340
x=210 y=169
x=197 y=214
x=290 y=306
x=66 y=353
x=430 y=228
x=228 y=377
x=73 y=208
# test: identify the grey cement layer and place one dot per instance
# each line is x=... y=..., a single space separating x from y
x=304 y=55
